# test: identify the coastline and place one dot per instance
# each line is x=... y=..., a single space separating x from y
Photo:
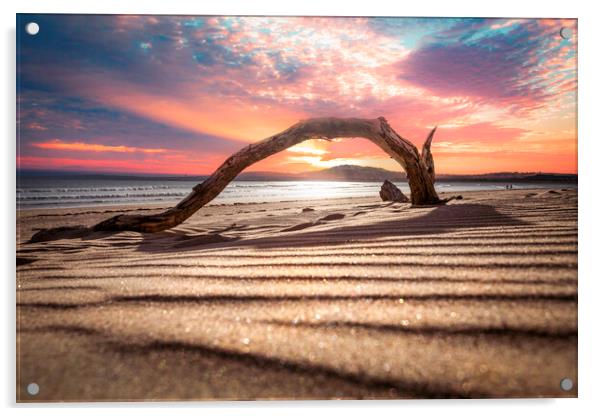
x=116 y=193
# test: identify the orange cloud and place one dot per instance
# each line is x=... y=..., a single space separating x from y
x=179 y=165
x=234 y=118
x=93 y=147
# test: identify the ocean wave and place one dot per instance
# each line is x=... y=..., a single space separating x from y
x=95 y=189
x=100 y=196
x=47 y=193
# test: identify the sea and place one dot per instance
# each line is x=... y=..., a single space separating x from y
x=50 y=192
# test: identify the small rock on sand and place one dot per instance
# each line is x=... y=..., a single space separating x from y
x=332 y=217
x=390 y=192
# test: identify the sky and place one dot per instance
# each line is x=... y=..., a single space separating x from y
x=179 y=94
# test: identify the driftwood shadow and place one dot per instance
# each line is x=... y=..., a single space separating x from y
x=442 y=219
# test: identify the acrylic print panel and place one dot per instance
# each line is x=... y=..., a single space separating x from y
x=225 y=207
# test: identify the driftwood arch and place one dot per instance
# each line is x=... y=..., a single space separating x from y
x=419 y=167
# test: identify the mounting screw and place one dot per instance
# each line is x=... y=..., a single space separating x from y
x=33 y=389
x=566 y=384
x=32 y=28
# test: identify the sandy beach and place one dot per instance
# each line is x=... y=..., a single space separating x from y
x=341 y=298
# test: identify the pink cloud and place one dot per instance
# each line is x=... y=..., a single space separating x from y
x=93 y=147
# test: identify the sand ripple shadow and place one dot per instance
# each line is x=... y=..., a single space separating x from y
x=396 y=386
x=267 y=299
x=434 y=330
x=440 y=220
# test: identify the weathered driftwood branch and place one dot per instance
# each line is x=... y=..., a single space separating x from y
x=427 y=156
x=420 y=169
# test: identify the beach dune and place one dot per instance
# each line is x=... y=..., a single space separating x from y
x=353 y=298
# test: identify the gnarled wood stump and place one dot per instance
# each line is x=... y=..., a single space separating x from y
x=420 y=168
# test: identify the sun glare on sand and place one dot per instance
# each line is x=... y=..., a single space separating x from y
x=319 y=189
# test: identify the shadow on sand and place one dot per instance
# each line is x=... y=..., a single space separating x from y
x=438 y=220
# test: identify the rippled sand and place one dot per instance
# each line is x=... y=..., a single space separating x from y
x=355 y=299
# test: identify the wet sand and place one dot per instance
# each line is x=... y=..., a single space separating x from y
x=356 y=298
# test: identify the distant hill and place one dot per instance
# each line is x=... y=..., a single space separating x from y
x=354 y=173
x=338 y=173
x=369 y=174
x=510 y=176
x=266 y=176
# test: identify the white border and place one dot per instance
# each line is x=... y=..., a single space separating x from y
x=589 y=186
x=460 y=8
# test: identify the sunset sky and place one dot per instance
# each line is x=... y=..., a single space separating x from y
x=163 y=94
